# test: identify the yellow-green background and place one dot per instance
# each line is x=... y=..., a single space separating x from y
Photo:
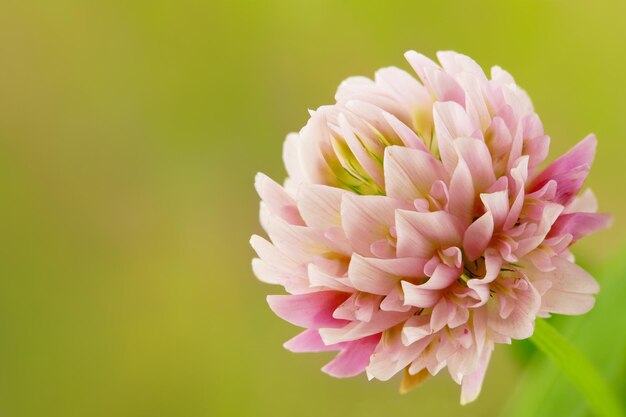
x=130 y=133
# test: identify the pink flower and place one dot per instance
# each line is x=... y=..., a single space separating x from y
x=415 y=230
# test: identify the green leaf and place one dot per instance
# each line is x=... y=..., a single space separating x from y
x=600 y=397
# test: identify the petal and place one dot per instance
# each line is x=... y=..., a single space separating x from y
x=442 y=278
x=320 y=205
x=410 y=173
x=462 y=193
x=270 y=254
x=444 y=86
x=580 y=224
x=415 y=295
x=497 y=204
x=404 y=87
x=563 y=302
x=549 y=214
x=569 y=171
x=363 y=157
x=567 y=276
x=380 y=276
x=472 y=383
x=419 y=234
x=310 y=341
x=455 y=63
x=478 y=235
x=442 y=312
x=476 y=154
x=585 y=203
x=416 y=328
x=267 y=273
x=314 y=147
x=419 y=63
x=277 y=200
x=520 y=323
x=297 y=242
x=367 y=219
x=451 y=122
x=353 y=359
x=319 y=278
x=408 y=136
x=475 y=100
x=291 y=158
x=356 y=330
x=313 y=310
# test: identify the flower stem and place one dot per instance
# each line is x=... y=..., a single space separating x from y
x=599 y=396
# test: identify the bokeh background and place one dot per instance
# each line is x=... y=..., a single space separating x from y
x=130 y=133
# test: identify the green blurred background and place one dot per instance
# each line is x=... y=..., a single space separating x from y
x=130 y=133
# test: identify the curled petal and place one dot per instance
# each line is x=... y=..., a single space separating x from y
x=478 y=236
x=569 y=171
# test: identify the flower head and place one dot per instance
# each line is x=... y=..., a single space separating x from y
x=415 y=229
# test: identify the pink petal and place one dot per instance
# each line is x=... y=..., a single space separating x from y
x=408 y=136
x=549 y=214
x=353 y=359
x=518 y=173
x=563 y=302
x=310 y=341
x=472 y=383
x=410 y=173
x=462 y=193
x=441 y=314
x=415 y=295
x=320 y=205
x=314 y=146
x=419 y=63
x=369 y=164
x=451 y=122
x=405 y=88
x=297 y=242
x=585 y=203
x=419 y=234
x=291 y=159
x=366 y=219
x=580 y=224
x=313 y=310
x=520 y=323
x=570 y=288
x=569 y=171
x=380 y=276
x=455 y=63
x=356 y=330
x=478 y=235
x=444 y=86
x=394 y=357
x=277 y=200
x=475 y=103
x=319 y=278
x=476 y=154
x=270 y=254
x=497 y=204
x=442 y=278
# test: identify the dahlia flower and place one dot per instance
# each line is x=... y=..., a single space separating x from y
x=416 y=229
